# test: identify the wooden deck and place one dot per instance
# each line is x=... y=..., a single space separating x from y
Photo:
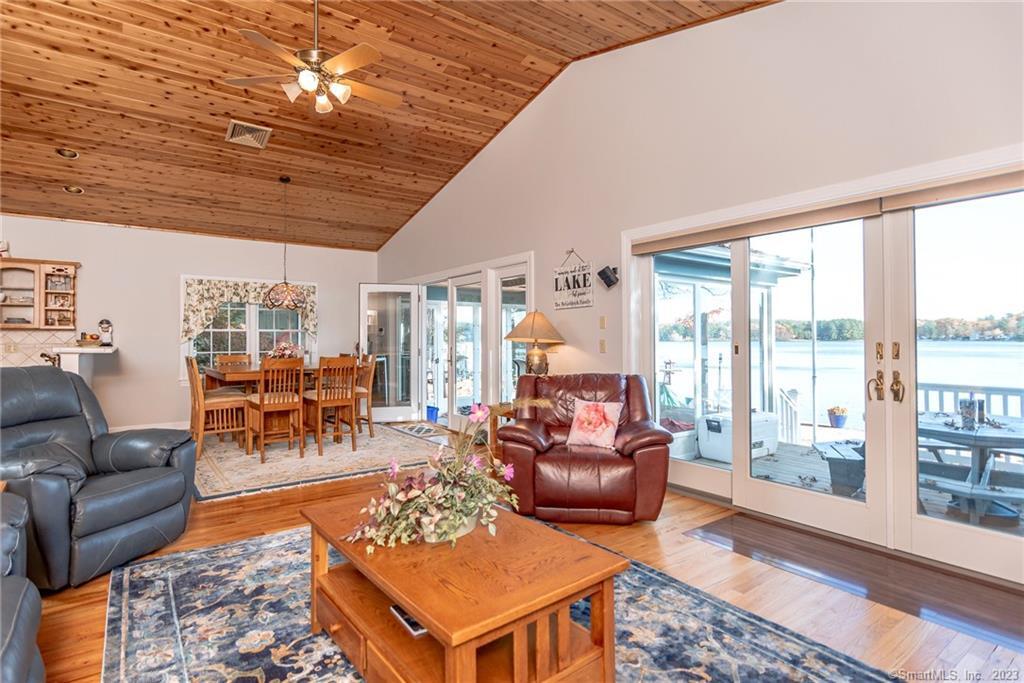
x=798 y=465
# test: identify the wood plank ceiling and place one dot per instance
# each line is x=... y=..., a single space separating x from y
x=136 y=87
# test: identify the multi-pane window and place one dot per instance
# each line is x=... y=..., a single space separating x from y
x=229 y=332
x=277 y=326
x=226 y=334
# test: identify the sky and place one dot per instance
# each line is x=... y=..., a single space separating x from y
x=969 y=260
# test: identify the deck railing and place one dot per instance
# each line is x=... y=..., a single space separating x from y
x=1005 y=401
x=789 y=416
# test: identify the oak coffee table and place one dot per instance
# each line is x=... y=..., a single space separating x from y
x=496 y=608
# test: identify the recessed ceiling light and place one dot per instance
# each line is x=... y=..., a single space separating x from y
x=67 y=153
x=73 y=189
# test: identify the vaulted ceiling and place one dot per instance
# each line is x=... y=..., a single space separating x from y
x=135 y=86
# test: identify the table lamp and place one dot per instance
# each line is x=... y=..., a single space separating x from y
x=535 y=329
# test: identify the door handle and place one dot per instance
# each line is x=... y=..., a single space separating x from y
x=898 y=388
x=877 y=384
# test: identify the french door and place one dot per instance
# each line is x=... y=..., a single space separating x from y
x=808 y=309
x=958 y=434
x=875 y=374
x=453 y=369
x=389 y=330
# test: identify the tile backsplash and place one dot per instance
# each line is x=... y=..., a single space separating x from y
x=19 y=348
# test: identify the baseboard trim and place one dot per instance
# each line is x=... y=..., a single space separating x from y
x=156 y=425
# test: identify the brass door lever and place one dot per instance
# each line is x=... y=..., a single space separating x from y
x=877 y=383
x=898 y=388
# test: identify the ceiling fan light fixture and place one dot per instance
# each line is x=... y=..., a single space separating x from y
x=308 y=80
x=292 y=90
x=323 y=105
x=341 y=91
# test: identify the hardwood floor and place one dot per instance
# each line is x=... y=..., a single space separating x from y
x=72 y=633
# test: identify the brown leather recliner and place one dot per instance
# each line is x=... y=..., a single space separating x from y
x=562 y=483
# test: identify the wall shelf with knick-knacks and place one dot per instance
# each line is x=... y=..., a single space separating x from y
x=38 y=294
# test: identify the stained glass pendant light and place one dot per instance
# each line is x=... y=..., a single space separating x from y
x=285 y=294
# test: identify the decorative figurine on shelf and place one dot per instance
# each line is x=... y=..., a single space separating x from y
x=106 y=333
x=5 y=249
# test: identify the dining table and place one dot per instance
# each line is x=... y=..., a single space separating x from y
x=239 y=373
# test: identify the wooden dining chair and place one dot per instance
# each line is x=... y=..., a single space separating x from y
x=215 y=411
x=278 y=391
x=232 y=359
x=364 y=392
x=334 y=391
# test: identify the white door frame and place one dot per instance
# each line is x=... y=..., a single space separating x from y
x=413 y=410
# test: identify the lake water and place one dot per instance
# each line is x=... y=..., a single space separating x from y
x=841 y=373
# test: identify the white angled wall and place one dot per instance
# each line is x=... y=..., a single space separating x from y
x=788 y=98
x=133 y=277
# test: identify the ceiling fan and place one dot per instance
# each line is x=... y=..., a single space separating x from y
x=318 y=72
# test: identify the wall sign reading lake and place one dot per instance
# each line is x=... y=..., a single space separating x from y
x=574 y=286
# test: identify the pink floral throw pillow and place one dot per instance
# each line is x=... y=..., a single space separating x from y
x=594 y=424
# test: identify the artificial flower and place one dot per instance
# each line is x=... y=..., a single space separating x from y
x=479 y=413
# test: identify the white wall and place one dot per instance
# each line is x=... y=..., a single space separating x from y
x=133 y=277
x=779 y=100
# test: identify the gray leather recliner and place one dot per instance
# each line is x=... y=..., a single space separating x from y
x=96 y=499
x=20 y=605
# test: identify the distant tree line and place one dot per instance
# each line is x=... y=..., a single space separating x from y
x=838 y=329
x=1009 y=327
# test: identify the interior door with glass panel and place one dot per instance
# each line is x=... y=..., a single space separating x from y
x=809 y=446
x=959 y=441
x=389 y=330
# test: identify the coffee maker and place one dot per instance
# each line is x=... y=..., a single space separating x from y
x=106 y=333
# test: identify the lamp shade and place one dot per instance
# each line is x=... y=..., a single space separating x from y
x=535 y=328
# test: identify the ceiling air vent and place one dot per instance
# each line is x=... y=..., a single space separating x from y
x=248 y=134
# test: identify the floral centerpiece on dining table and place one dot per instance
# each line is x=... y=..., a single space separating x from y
x=287 y=349
x=460 y=492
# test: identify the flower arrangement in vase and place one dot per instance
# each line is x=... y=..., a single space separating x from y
x=460 y=493
x=287 y=350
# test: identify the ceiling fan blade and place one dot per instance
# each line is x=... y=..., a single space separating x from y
x=267 y=44
x=258 y=80
x=351 y=59
x=385 y=98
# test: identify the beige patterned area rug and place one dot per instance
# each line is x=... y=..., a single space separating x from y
x=225 y=470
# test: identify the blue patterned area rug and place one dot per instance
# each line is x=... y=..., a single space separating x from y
x=240 y=612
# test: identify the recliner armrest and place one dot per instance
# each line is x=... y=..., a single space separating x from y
x=137 y=449
x=636 y=435
x=529 y=432
x=51 y=458
x=13 y=548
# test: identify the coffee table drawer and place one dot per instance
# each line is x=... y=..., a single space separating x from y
x=377 y=668
x=348 y=638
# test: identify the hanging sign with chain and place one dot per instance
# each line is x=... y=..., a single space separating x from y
x=574 y=283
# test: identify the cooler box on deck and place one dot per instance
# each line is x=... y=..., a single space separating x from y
x=714 y=435
x=684 y=445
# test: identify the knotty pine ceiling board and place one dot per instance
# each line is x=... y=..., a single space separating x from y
x=136 y=87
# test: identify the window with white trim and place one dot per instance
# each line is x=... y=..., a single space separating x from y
x=229 y=332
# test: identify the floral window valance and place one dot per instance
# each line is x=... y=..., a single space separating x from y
x=203 y=298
